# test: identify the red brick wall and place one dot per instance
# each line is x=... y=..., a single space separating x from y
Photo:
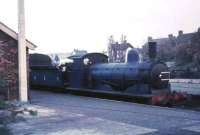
x=8 y=67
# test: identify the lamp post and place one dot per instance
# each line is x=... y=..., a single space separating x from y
x=22 y=63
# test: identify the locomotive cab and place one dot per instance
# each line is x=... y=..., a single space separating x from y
x=80 y=68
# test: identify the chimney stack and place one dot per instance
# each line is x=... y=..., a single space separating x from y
x=180 y=33
x=152 y=50
x=150 y=39
x=170 y=36
x=198 y=30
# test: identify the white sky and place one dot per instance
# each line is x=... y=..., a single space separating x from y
x=61 y=25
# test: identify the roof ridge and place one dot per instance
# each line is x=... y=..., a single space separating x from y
x=14 y=35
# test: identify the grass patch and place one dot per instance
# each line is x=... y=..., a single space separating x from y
x=4 y=105
x=4 y=131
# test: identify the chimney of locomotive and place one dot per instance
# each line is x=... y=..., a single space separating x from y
x=152 y=50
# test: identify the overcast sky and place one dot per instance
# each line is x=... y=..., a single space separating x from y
x=62 y=25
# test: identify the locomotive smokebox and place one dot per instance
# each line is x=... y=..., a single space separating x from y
x=152 y=50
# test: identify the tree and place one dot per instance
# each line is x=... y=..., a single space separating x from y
x=183 y=54
x=189 y=53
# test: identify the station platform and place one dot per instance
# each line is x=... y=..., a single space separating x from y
x=65 y=114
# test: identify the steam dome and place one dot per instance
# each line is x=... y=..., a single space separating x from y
x=132 y=56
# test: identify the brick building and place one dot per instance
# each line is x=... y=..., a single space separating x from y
x=9 y=62
x=166 y=47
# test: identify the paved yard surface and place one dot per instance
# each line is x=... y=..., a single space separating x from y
x=62 y=114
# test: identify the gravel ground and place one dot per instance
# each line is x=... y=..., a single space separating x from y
x=63 y=114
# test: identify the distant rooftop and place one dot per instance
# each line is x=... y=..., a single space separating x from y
x=171 y=39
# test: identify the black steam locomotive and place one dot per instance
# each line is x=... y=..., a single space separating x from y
x=92 y=71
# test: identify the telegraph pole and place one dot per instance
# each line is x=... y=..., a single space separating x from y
x=22 y=63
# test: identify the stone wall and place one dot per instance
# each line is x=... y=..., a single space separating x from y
x=8 y=67
x=190 y=86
